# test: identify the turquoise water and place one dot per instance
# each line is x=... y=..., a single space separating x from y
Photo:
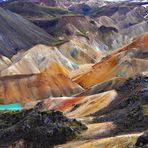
x=14 y=106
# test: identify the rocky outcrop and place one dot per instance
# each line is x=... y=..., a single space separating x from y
x=37 y=129
x=142 y=141
x=77 y=107
x=91 y=104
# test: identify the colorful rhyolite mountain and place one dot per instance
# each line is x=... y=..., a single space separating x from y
x=85 y=58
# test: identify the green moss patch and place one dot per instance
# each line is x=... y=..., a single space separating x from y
x=145 y=109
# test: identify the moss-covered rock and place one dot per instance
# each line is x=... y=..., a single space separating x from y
x=129 y=111
x=37 y=129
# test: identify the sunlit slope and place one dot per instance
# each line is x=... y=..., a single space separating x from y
x=122 y=141
x=36 y=59
x=92 y=104
x=61 y=103
x=119 y=63
x=75 y=107
x=67 y=56
x=26 y=88
x=108 y=85
x=81 y=50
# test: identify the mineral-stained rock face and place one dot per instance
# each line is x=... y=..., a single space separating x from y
x=118 y=64
x=36 y=86
x=37 y=129
x=79 y=106
x=40 y=57
x=85 y=58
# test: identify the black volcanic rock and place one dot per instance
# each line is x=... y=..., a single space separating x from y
x=129 y=110
x=37 y=129
x=142 y=141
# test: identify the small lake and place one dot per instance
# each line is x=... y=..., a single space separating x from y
x=14 y=106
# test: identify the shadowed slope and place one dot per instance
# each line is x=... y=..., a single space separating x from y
x=33 y=11
x=17 y=33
